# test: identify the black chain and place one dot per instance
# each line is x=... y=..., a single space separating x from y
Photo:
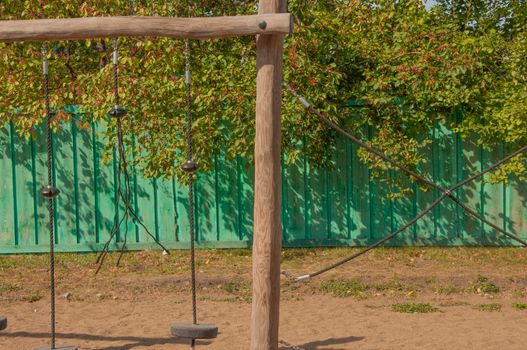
x=50 y=199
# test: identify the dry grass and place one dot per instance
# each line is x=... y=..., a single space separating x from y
x=226 y=274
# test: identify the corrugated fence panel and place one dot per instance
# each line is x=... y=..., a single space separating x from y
x=321 y=207
x=7 y=220
x=85 y=197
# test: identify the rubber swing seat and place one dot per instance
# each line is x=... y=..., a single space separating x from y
x=57 y=347
x=194 y=331
x=3 y=323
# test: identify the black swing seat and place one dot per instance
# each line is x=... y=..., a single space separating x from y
x=3 y=322
x=194 y=331
x=58 y=347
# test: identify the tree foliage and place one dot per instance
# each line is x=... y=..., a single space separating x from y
x=387 y=70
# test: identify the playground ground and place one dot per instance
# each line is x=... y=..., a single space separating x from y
x=403 y=298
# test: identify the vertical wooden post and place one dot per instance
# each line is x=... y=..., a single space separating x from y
x=267 y=241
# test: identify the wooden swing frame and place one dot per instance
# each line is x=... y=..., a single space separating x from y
x=270 y=26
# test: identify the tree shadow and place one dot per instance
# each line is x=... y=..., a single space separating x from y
x=326 y=344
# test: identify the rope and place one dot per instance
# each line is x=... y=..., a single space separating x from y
x=122 y=167
x=374 y=245
x=45 y=73
x=389 y=160
x=413 y=174
x=190 y=170
x=445 y=192
x=116 y=74
x=121 y=194
x=190 y=188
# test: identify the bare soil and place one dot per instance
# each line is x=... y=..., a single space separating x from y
x=477 y=295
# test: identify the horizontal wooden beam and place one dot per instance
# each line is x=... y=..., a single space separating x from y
x=173 y=27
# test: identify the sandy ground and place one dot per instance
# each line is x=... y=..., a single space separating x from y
x=315 y=323
x=111 y=316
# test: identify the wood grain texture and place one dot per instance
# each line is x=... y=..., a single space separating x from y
x=174 y=27
x=267 y=241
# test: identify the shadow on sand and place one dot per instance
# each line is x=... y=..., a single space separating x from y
x=133 y=342
x=326 y=344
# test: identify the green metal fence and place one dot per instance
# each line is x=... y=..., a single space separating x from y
x=334 y=207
